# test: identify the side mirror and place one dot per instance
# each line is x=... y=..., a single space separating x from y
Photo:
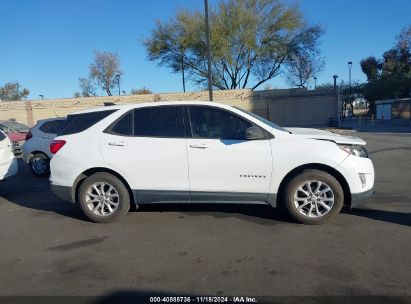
x=253 y=133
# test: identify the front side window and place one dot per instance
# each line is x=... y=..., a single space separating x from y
x=209 y=122
x=159 y=121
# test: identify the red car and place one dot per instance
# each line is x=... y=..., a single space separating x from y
x=17 y=133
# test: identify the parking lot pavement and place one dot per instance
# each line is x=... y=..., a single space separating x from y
x=49 y=248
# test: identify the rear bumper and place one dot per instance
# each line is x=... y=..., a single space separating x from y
x=63 y=192
x=358 y=198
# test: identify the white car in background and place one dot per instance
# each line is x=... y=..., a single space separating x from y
x=108 y=158
x=8 y=163
x=36 y=151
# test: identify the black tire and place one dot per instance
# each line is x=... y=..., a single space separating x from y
x=123 y=198
x=39 y=165
x=312 y=176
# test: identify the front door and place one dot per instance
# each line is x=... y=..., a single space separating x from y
x=223 y=165
x=148 y=146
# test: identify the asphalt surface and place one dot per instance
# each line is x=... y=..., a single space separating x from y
x=49 y=248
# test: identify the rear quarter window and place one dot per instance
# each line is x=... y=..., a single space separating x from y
x=45 y=127
x=56 y=126
x=2 y=136
x=77 y=123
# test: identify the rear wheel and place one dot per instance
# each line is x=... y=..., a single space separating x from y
x=39 y=164
x=313 y=197
x=104 y=198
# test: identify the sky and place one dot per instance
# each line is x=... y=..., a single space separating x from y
x=47 y=45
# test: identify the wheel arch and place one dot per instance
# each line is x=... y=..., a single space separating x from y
x=80 y=179
x=32 y=153
x=330 y=170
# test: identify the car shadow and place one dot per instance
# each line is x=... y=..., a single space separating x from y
x=393 y=217
x=29 y=191
x=33 y=192
x=257 y=213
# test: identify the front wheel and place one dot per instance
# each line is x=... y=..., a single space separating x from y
x=313 y=197
x=104 y=198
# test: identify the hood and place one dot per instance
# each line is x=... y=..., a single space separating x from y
x=326 y=135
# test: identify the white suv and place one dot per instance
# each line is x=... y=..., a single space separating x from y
x=8 y=163
x=36 y=152
x=107 y=158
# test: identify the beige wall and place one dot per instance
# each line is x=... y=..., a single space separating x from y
x=30 y=111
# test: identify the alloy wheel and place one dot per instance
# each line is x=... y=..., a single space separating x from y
x=102 y=199
x=314 y=199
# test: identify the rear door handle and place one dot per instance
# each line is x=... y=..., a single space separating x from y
x=202 y=146
x=118 y=144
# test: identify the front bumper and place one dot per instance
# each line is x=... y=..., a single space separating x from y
x=63 y=192
x=358 y=198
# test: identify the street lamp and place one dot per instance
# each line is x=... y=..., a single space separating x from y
x=349 y=82
x=315 y=83
x=335 y=81
x=118 y=83
x=42 y=96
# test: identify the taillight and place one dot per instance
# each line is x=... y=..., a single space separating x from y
x=29 y=135
x=56 y=145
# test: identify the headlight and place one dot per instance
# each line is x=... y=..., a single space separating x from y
x=355 y=150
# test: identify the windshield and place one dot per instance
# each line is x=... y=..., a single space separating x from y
x=15 y=126
x=267 y=122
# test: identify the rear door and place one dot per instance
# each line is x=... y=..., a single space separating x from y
x=148 y=145
x=223 y=164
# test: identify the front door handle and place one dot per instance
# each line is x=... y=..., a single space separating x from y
x=117 y=144
x=202 y=146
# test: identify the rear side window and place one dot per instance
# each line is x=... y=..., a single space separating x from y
x=160 y=121
x=123 y=126
x=79 y=122
x=2 y=136
x=56 y=126
x=45 y=127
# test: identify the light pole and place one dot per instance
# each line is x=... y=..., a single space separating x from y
x=349 y=85
x=335 y=81
x=210 y=87
x=118 y=83
x=315 y=83
x=42 y=96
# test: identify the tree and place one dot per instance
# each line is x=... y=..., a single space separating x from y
x=250 y=40
x=77 y=95
x=143 y=90
x=13 y=91
x=371 y=67
x=389 y=77
x=102 y=72
x=303 y=66
x=87 y=87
